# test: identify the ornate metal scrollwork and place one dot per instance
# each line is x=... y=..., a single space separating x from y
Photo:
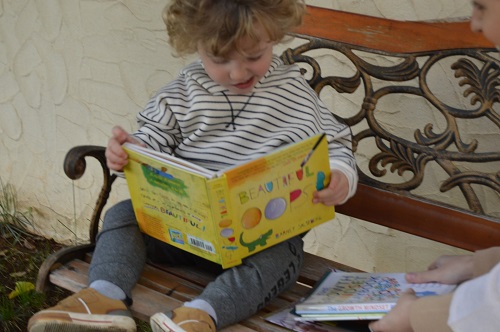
x=456 y=151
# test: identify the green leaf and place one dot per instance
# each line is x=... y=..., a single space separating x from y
x=22 y=287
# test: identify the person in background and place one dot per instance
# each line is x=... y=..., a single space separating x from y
x=475 y=304
x=237 y=102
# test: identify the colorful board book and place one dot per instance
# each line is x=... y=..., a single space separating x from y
x=229 y=215
x=359 y=296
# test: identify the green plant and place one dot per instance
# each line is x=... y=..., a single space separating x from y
x=13 y=222
x=19 y=264
x=15 y=312
x=7 y=313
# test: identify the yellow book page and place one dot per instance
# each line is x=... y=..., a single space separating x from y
x=271 y=198
x=171 y=204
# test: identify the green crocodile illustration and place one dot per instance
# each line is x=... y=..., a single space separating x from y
x=261 y=240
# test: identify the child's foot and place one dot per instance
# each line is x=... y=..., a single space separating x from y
x=87 y=310
x=183 y=319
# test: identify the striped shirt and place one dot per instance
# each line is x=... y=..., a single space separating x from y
x=198 y=120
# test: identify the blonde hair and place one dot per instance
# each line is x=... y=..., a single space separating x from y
x=219 y=25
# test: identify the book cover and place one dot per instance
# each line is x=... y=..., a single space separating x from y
x=229 y=215
x=353 y=295
x=287 y=319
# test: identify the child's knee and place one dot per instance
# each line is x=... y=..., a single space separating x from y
x=119 y=215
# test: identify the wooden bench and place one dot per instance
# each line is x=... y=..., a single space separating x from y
x=392 y=170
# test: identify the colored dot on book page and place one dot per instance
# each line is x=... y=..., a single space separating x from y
x=227 y=232
x=225 y=223
x=275 y=208
x=294 y=194
x=251 y=218
x=320 y=181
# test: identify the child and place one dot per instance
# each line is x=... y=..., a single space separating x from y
x=237 y=102
x=475 y=304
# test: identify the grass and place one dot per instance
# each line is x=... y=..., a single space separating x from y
x=21 y=254
x=19 y=264
x=18 y=273
x=16 y=297
x=14 y=223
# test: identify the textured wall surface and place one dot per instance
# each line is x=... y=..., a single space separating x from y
x=71 y=69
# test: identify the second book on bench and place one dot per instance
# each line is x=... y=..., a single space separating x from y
x=228 y=215
x=359 y=295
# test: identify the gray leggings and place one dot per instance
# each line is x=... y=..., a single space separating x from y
x=235 y=294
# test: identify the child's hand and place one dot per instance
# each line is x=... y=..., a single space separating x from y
x=116 y=157
x=336 y=192
x=398 y=319
x=446 y=269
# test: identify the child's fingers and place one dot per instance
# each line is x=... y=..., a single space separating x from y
x=327 y=196
x=122 y=136
x=116 y=161
x=119 y=134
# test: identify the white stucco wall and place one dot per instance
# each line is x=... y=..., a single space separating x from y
x=71 y=69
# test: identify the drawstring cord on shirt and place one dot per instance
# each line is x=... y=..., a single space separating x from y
x=233 y=117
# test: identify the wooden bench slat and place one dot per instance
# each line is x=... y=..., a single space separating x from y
x=196 y=276
x=431 y=221
x=166 y=283
x=389 y=35
x=72 y=276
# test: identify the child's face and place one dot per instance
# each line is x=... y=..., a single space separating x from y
x=486 y=19
x=240 y=72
